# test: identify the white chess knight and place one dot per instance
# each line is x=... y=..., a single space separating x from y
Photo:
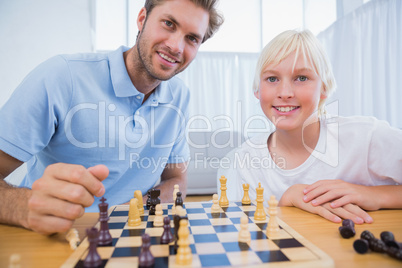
x=244 y=233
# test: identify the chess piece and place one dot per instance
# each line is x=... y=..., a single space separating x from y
x=180 y=215
x=347 y=230
x=148 y=204
x=223 y=201
x=104 y=235
x=175 y=191
x=184 y=256
x=361 y=246
x=273 y=226
x=73 y=238
x=167 y=235
x=15 y=261
x=146 y=259
x=92 y=259
x=158 y=220
x=259 y=214
x=244 y=233
x=138 y=195
x=246 y=198
x=215 y=208
x=155 y=193
x=389 y=240
x=134 y=218
x=179 y=199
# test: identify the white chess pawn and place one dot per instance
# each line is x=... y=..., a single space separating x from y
x=176 y=189
x=215 y=208
x=158 y=221
x=244 y=233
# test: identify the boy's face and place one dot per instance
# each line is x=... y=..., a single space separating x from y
x=170 y=37
x=289 y=95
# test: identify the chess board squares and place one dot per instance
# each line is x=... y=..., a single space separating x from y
x=129 y=241
x=220 y=221
x=172 y=262
x=235 y=214
x=197 y=216
x=282 y=234
x=195 y=210
x=123 y=262
x=299 y=254
x=214 y=260
x=121 y=219
x=209 y=248
x=196 y=230
x=263 y=245
x=243 y=258
x=193 y=205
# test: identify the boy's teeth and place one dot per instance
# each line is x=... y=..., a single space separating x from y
x=285 y=109
x=167 y=58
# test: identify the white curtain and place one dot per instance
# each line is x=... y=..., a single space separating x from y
x=365 y=48
x=221 y=92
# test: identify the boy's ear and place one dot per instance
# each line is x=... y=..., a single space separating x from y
x=142 y=15
x=257 y=94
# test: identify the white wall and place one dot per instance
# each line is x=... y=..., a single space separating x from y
x=33 y=31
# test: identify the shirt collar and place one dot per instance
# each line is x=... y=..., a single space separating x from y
x=122 y=85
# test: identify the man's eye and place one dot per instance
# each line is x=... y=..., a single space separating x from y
x=271 y=79
x=302 y=78
x=168 y=23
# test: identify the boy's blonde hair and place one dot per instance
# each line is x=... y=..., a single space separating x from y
x=300 y=42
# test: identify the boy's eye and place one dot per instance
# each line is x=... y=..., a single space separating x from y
x=302 y=78
x=271 y=79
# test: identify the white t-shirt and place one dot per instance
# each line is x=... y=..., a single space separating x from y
x=359 y=150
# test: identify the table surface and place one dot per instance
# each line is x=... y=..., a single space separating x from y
x=52 y=251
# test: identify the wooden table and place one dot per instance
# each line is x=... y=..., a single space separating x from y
x=42 y=251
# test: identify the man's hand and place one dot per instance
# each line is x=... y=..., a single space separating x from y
x=294 y=197
x=61 y=195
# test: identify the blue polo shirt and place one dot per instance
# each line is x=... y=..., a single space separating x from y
x=83 y=109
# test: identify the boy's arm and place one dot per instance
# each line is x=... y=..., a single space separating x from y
x=340 y=193
x=56 y=199
x=293 y=197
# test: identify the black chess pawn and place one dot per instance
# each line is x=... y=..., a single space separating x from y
x=146 y=259
x=389 y=240
x=179 y=200
x=104 y=235
x=167 y=235
x=347 y=230
x=367 y=235
x=92 y=259
x=394 y=253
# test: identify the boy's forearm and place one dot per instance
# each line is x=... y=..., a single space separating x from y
x=388 y=196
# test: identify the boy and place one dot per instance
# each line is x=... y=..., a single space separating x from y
x=336 y=167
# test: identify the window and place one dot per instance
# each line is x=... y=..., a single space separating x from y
x=249 y=24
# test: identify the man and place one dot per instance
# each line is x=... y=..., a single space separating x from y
x=103 y=124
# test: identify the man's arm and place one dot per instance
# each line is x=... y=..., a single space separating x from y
x=56 y=199
x=174 y=173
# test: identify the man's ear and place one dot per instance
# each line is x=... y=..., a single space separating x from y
x=142 y=15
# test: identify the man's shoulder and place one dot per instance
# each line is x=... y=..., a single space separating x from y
x=84 y=57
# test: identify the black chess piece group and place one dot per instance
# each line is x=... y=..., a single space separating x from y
x=386 y=244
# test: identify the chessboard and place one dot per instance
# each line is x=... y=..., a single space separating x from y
x=213 y=241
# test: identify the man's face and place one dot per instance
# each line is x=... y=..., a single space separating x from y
x=170 y=37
